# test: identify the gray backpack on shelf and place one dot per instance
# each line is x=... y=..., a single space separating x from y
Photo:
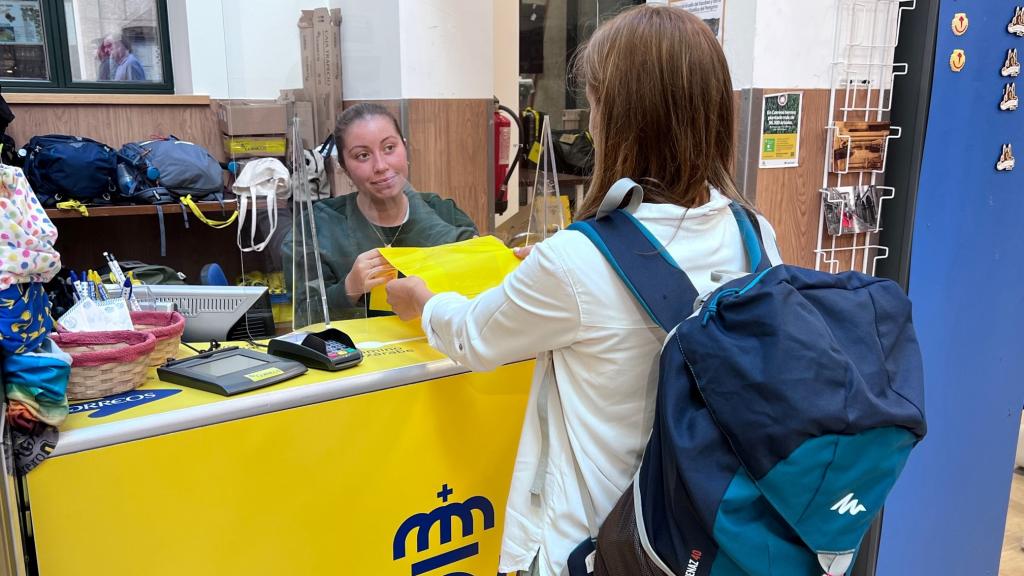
x=164 y=170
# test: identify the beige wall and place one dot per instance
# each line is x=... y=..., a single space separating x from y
x=506 y=78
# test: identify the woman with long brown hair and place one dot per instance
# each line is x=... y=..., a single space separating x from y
x=662 y=114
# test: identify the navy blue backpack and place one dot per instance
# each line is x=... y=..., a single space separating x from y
x=787 y=405
x=63 y=168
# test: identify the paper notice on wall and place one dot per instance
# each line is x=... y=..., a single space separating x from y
x=780 y=130
x=712 y=12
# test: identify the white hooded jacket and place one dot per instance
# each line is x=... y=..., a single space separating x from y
x=565 y=298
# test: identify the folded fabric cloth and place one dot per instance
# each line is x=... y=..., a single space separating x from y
x=27 y=235
x=24 y=318
x=53 y=414
x=23 y=419
x=39 y=381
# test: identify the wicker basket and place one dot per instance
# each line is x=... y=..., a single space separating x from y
x=167 y=327
x=105 y=363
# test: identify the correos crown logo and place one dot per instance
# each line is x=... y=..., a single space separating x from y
x=421 y=524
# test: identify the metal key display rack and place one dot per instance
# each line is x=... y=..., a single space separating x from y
x=858 y=134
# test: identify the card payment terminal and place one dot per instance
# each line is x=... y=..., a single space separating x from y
x=329 y=349
x=230 y=370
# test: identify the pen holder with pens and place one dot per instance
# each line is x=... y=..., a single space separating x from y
x=105 y=363
x=167 y=327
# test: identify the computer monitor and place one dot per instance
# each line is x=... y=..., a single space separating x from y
x=213 y=312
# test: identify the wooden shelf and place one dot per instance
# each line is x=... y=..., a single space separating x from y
x=527 y=175
x=109 y=99
x=174 y=208
x=106 y=211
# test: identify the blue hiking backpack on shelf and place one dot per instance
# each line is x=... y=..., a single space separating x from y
x=163 y=170
x=788 y=402
x=62 y=168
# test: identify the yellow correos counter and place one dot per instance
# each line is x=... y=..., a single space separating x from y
x=399 y=466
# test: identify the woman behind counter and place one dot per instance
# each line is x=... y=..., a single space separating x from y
x=385 y=210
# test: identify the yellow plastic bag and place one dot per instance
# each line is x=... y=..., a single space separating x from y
x=468 y=267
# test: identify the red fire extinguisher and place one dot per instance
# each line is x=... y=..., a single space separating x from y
x=505 y=157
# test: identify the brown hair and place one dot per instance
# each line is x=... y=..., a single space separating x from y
x=354 y=114
x=663 y=107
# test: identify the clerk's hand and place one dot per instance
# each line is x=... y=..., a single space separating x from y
x=368 y=271
x=408 y=296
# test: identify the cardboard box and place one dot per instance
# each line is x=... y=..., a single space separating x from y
x=251 y=117
x=296 y=102
x=320 y=41
x=255 y=146
x=327 y=32
x=308 y=59
x=293 y=95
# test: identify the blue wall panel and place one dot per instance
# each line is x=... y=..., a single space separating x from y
x=947 y=513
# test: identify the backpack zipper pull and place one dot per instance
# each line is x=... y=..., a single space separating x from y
x=713 y=305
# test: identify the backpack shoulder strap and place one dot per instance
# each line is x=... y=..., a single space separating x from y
x=753 y=241
x=643 y=264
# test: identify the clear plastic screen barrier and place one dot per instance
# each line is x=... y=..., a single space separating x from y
x=315 y=242
x=275 y=110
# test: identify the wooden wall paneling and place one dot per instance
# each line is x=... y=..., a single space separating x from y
x=789 y=197
x=115 y=125
x=107 y=99
x=449 y=147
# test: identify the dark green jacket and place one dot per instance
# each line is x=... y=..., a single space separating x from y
x=343 y=233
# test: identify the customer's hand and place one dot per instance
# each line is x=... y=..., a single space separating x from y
x=408 y=296
x=369 y=271
x=522 y=252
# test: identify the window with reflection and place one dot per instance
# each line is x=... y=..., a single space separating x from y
x=85 y=45
x=114 y=41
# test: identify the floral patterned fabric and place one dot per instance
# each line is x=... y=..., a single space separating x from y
x=27 y=235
